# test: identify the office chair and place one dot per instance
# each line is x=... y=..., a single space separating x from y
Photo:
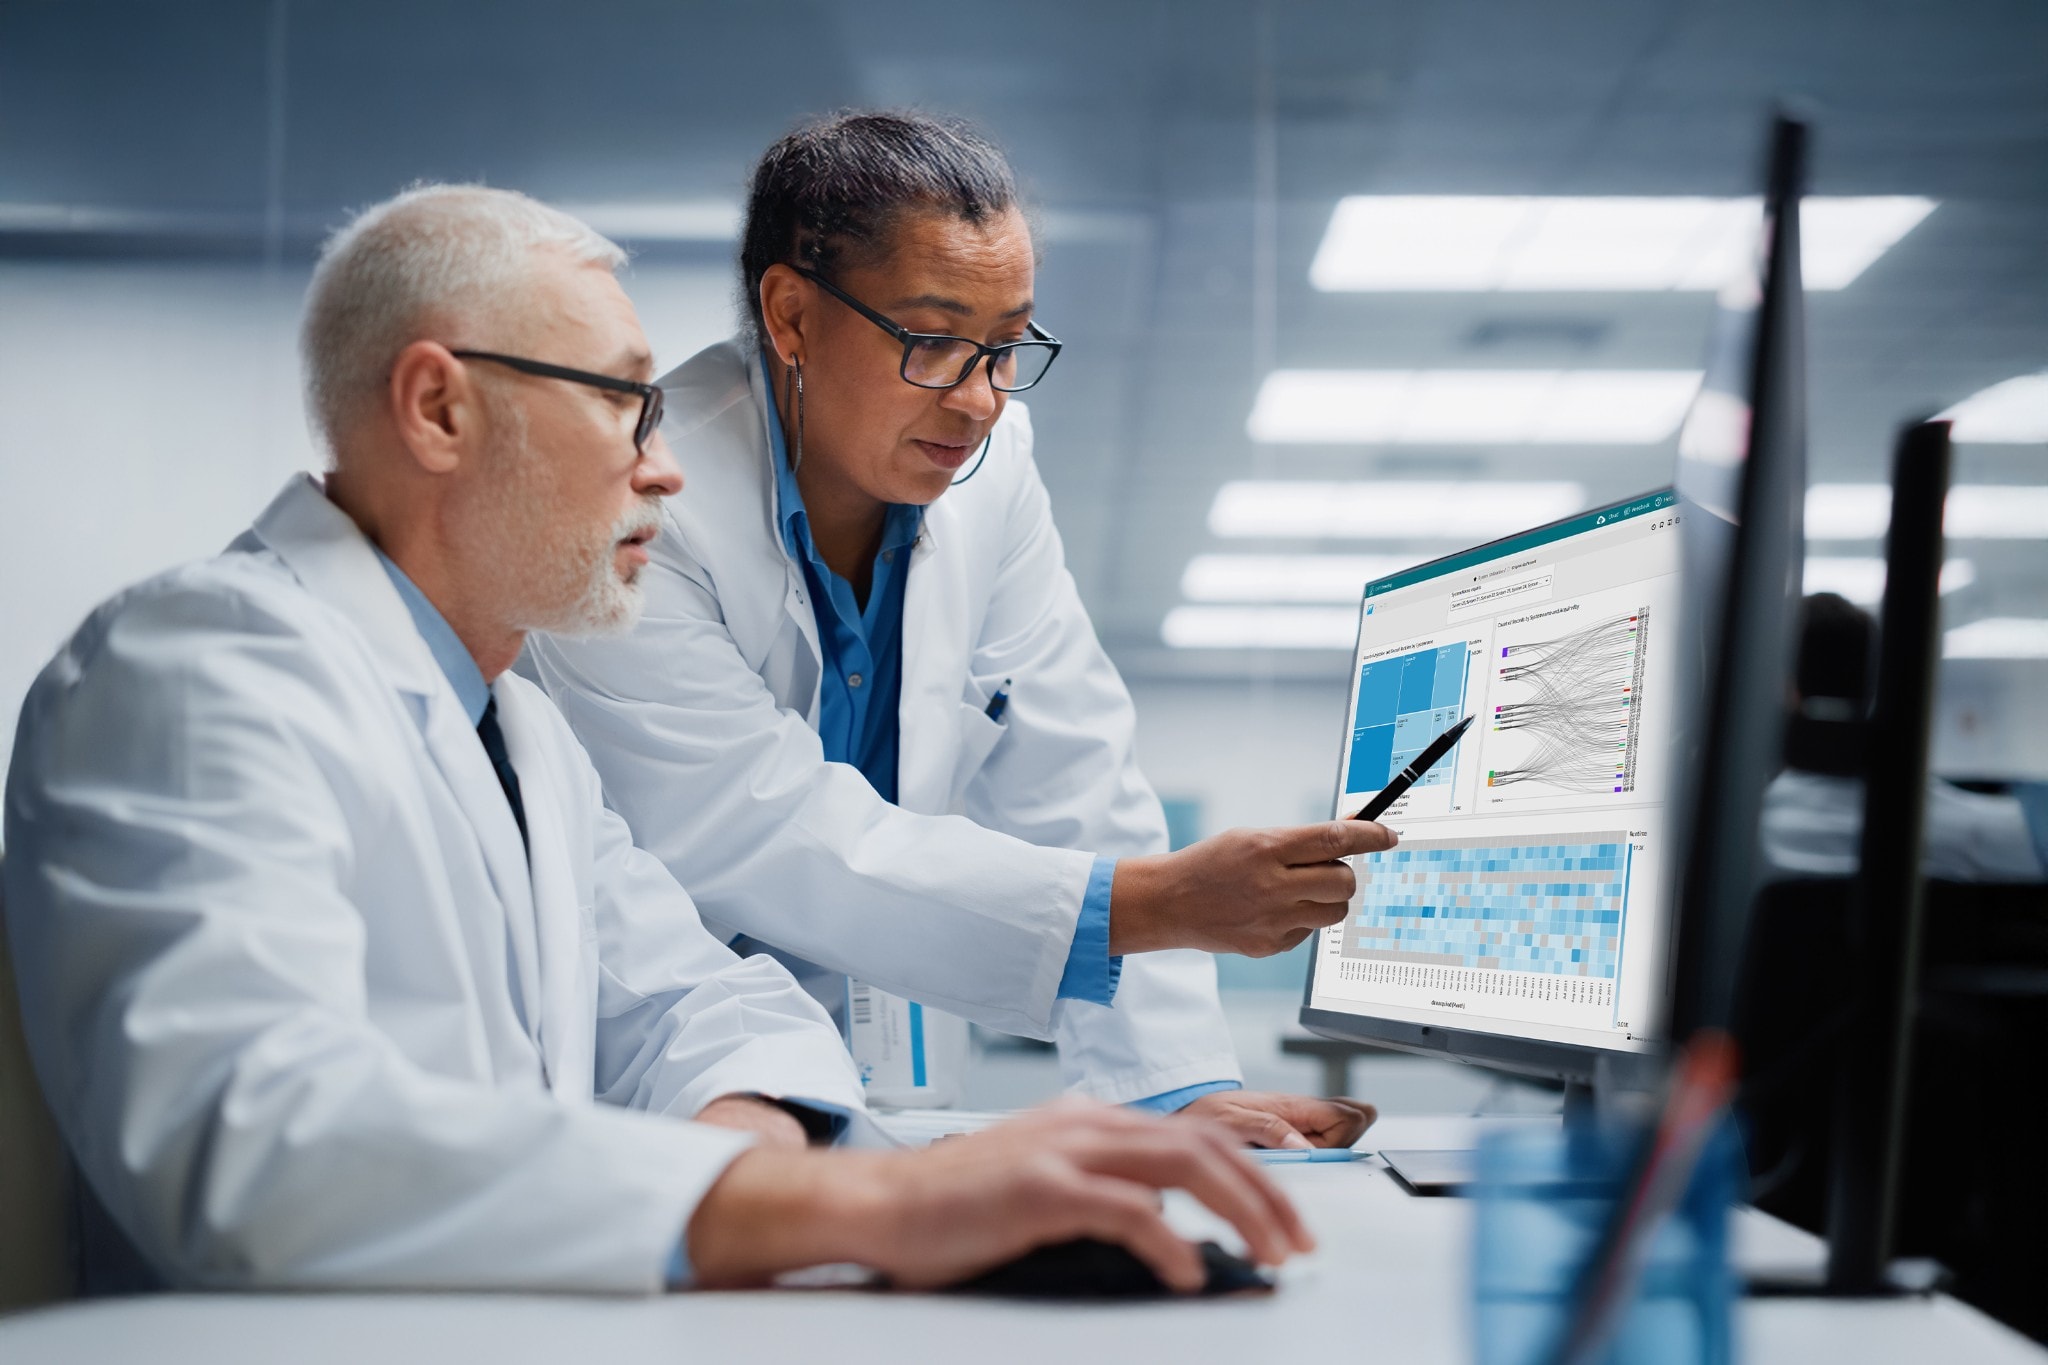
x=38 y=1264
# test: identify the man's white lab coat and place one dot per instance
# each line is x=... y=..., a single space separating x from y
x=303 y=1014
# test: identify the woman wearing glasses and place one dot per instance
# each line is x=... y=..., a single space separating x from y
x=866 y=719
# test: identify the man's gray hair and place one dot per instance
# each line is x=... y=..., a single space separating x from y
x=428 y=264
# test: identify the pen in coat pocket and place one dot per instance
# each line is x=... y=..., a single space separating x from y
x=998 y=703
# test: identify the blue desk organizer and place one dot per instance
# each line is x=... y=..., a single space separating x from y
x=1543 y=1199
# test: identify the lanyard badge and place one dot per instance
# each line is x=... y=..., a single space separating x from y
x=910 y=1056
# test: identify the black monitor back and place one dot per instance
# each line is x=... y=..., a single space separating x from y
x=1743 y=529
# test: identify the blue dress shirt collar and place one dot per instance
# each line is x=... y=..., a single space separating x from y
x=456 y=662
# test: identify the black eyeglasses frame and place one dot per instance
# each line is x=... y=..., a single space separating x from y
x=1040 y=338
x=651 y=402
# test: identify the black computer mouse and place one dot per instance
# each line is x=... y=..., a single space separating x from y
x=1089 y=1269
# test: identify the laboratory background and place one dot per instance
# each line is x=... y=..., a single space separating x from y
x=1251 y=217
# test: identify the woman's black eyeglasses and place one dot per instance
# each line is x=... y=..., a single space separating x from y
x=935 y=361
x=650 y=396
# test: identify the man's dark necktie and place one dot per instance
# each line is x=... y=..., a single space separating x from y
x=494 y=745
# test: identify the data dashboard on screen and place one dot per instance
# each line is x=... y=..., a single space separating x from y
x=1527 y=895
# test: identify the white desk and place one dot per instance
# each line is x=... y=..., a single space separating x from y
x=1388 y=1285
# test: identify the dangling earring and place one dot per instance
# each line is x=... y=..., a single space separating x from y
x=977 y=464
x=796 y=376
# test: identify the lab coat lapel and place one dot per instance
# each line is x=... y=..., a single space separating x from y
x=934 y=663
x=796 y=604
x=566 y=958
x=796 y=595
x=467 y=769
x=331 y=556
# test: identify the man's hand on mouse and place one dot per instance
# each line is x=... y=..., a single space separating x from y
x=1263 y=1119
x=1252 y=891
x=953 y=1210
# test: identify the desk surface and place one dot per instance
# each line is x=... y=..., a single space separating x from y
x=1389 y=1281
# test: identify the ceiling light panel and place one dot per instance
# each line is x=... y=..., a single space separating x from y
x=1470 y=243
x=2014 y=412
x=2000 y=637
x=1848 y=511
x=1211 y=627
x=1389 y=510
x=663 y=220
x=1286 y=578
x=1860 y=579
x=1471 y=407
x=1975 y=511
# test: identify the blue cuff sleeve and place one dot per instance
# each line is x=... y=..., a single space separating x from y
x=1174 y=1100
x=679 y=1267
x=1091 y=972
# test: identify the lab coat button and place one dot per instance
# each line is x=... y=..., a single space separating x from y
x=853 y=681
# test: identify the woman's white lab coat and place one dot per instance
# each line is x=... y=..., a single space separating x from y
x=303 y=1015
x=965 y=894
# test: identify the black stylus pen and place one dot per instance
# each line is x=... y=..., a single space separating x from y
x=1424 y=761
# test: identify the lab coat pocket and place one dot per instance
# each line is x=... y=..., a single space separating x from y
x=978 y=738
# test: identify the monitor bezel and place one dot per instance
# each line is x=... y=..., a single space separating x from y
x=1542 y=1058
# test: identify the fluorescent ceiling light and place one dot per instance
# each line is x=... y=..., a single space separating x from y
x=1402 y=510
x=1975 y=511
x=2014 y=412
x=2000 y=637
x=1503 y=242
x=674 y=220
x=1861 y=578
x=1472 y=407
x=1286 y=578
x=1848 y=511
x=1260 y=627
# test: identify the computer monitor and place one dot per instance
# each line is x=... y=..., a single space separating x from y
x=1522 y=921
x=1480 y=938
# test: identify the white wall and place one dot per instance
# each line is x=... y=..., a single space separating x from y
x=1988 y=720
x=146 y=414
x=1251 y=753
x=149 y=411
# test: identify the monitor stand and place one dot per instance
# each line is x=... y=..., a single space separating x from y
x=1435 y=1173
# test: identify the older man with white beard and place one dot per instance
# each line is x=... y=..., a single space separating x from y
x=335 y=968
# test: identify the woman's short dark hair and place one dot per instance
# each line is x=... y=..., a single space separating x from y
x=828 y=194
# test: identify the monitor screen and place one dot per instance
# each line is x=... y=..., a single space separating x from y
x=1528 y=895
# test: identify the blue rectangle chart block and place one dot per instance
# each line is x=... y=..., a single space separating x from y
x=1450 y=677
x=1379 y=691
x=1418 y=680
x=1404 y=703
x=1372 y=751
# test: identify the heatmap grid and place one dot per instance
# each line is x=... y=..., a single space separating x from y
x=1551 y=908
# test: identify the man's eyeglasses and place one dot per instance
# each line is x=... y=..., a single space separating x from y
x=932 y=360
x=650 y=396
